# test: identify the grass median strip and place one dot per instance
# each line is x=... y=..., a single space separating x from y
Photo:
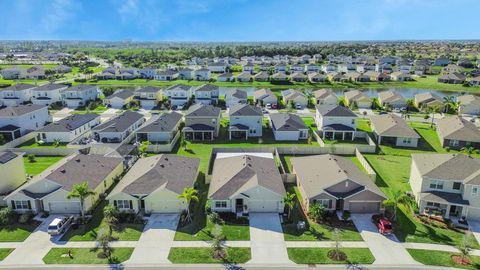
x=4 y=252
x=320 y=256
x=204 y=255
x=85 y=256
x=442 y=258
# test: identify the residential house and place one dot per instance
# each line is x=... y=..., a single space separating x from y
x=217 y=67
x=298 y=77
x=336 y=183
x=354 y=76
x=48 y=94
x=377 y=76
x=311 y=68
x=153 y=185
x=48 y=191
x=315 y=77
x=446 y=185
x=452 y=78
x=299 y=99
x=475 y=81
x=235 y=96
x=469 y=104
x=225 y=77
x=425 y=100
x=35 y=73
x=333 y=120
x=401 y=76
x=16 y=94
x=147 y=73
x=17 y=121
x=358 y=98
x=245 y=120
x=13 y=73
x=107 y=74
x=456 y=132
x=296 y=69
x=119 y=98
x=166 y=75
x=62 y=69
x=127 y=74
x=265 y=96
x=393 y=130
x=149 y=97
x=337 y=77
x=118 y=129
x=329 y=68
x=185 y=74
x=288 y=127
x=248 y=67
x=202 y=74
x=207 y=94
x=202 y=122
x=160 y=129
x=244 y=77
x=279 y=77
x=262 y=76
x=68 y=129
x=179 y=94
x=243 y=183
x=392 y=99
x=13 y=164
x=79 y=95
x=280 y=68
x=452 y=68
x=325 y=97
x=441 y=61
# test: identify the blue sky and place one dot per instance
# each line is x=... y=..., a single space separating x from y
x=239 y=20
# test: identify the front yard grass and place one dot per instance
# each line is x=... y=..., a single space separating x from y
x=4 y=252
x=204 y=255
x=316 y=231
x=40 y=164
x=442 y=258
x=320 y=256
x=88 y=232
x=16 y=232
x=85 y=256
x=33 y=144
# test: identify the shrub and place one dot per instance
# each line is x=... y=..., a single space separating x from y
x=7 y=216
x=215 y=218
x=346 y=215
x=25 y=217
x=208 y=207
x=31 y=158
x=447 y=149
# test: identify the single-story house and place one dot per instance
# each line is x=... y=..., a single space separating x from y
x=424 y=100
x=160 y=129
x=288 y=127
x=457 y=132
x=298 y=98
x=325 y=97
x=119 y=128
x=68 y=128
x=358 y=98
x=391 y=98
x=469 y=104
x=393 y=129
x=119 y=99
x=265 y=96
x=13 y=168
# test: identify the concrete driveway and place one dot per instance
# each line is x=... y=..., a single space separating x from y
x=475 y=228
x=59 y=115
x=109 y=113
x=35 y=247
x=385 y=249
x=266 y=240
x=157 y=238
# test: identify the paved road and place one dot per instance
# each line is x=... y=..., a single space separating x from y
x=157 y=238
x=387 y=250
x=266 y=240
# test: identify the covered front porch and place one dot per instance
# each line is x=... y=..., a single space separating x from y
x=238 y=131
x=198 y=132
x=338 y=132
x=445 y=204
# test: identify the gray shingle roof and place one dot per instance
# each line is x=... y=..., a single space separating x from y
x=183 y=87
x=324 y=93
x=455 y=167
x=245 y=110
x=390 y=96
x=50 y=87
x=240 y=94
x=392 y=125
x=122 y=94
x=202 y=110
x=18 y=87
x=287 y=122
x=207 y=88
x=336 y=111
x=149 y=89
x=457 y=128
x=164 y=123
x=167 y=171
x=19 y=110
x=80 y=87
x=6 y=157
x=240 y=173
x=119 y=123
x=69 y=123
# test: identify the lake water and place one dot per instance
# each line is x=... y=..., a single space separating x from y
x=405 y=92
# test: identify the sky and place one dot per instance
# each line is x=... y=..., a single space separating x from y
x=239 y=20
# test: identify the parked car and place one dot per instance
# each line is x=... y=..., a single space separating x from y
x=268 y=106
x=298 y=107
x=60 y=225
x=384 y=225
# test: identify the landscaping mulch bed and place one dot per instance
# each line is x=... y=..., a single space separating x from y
x=337 y=256
x=461 y=261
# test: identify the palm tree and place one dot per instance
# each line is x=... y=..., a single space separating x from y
x=316 y=211
x=289 y=202
x=398 y=198
x=183 y=142
x=433 y=110
x=189 y=194
x=80 y=191
x=142 y=148
x=110 y=214
x=56 y=142
x=410 y=103
x=469 y=150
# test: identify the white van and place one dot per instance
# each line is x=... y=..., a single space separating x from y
x=59 y=225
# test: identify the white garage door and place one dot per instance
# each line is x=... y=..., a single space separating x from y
x=166 y=206
x=473 y=214
x=365 y=207
x=64 y=207
x=263 y=206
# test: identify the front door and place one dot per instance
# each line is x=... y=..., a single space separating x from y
x=142 y=204
x=239 y=205
x=453 y=211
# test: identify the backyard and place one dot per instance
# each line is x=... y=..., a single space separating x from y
x=40 y=164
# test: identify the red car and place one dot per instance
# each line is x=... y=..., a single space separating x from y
x=384 y=226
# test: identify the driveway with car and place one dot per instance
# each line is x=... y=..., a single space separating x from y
x=266 y=239
x=157 y=238
x=385 y=249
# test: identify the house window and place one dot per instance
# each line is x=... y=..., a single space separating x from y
x=21 y=205
x=353 y=121
x=123 y=204
x=454 y=143
x=433 y=204
x=220 y=204
x=457 y=185
x=436 y=184
x=407 y=140
x=252 y=130
x=474 y=190
x=323 y=202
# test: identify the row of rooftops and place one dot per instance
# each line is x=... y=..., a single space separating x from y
x=48 y=87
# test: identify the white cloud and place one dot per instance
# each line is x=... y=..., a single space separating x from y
x=59 y=12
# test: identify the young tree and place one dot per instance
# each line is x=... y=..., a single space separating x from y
x=31 y=158
x=189 y=194
x=465 y=246
x=218 y=250
x=289 y=202
x=110 y=215
x=142 y=148
x=398 y=198
x=432 y=110
x=183 y=142
x=103 y=241
x=337 y=238
x=80 y=191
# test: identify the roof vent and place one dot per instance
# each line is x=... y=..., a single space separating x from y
x=77 y=160
x=63 y=171
x=162 y=165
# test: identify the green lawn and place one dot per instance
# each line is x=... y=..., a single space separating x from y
x=316 y=231
x=33 y=144
x=4 y=252
x=204 y=255
x=194 y=232
x=442 y=258
x=85 y=256
x=40 y=164
x=363 y=124
x=320 y=256
x=88 y=232
x=16 y=232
